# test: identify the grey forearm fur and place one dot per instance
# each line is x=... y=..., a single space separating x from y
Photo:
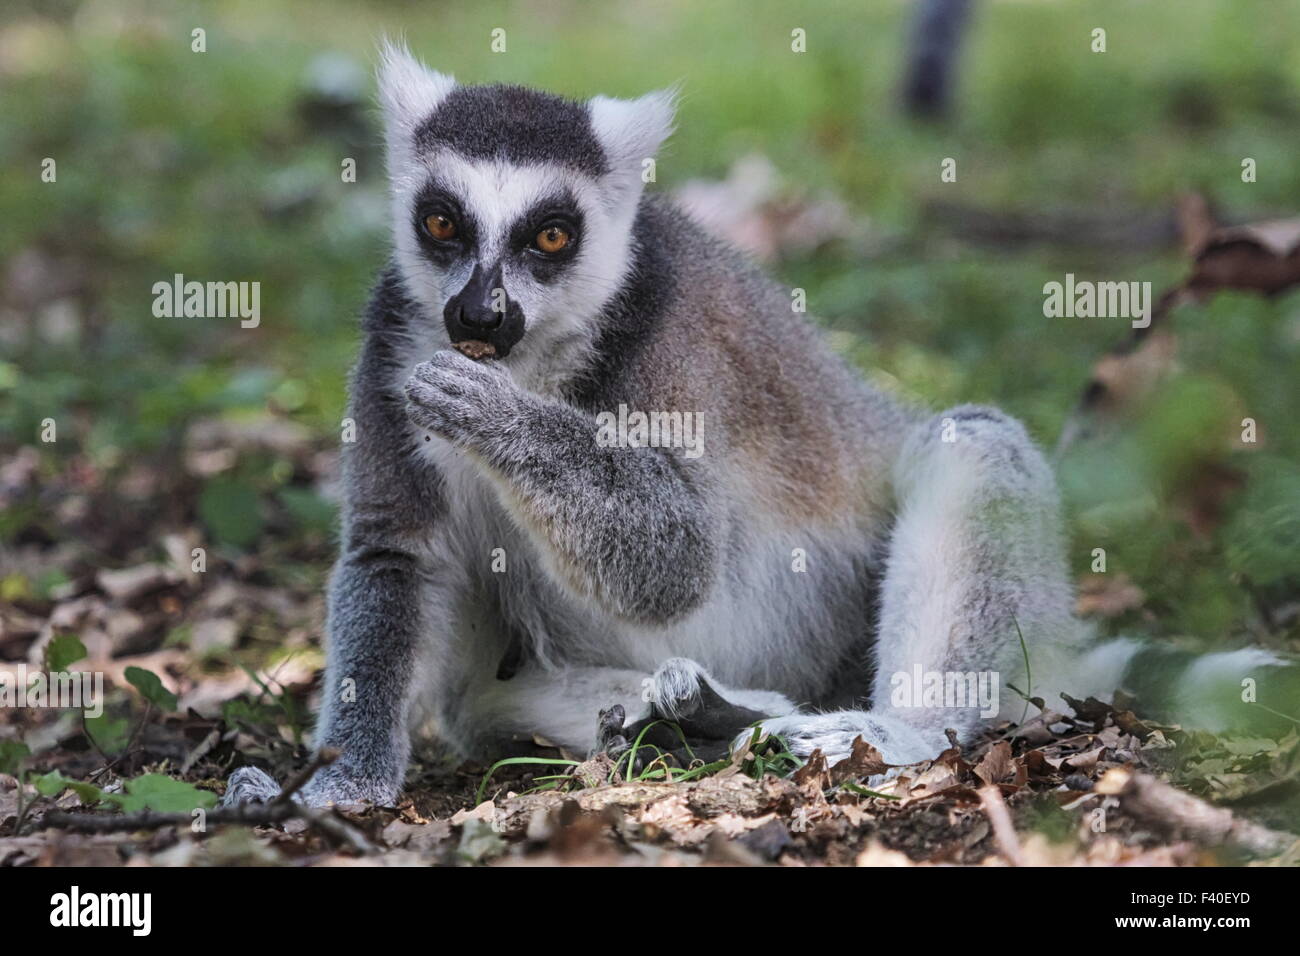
x=630 y=525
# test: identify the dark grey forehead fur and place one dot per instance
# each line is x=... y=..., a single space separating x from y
x=516 y=124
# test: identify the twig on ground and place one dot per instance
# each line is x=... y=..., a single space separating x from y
x=322 y=758
x=252 y=814
x=1004 y=831
x=338 y=831
x=1157 y=804
x=111 y=762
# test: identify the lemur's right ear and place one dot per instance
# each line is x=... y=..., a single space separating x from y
x=631 y=132
x=408 y=92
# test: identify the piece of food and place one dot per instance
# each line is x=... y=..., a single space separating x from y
x=473 y=348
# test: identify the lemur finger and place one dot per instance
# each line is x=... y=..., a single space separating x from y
x=431 y=419
x=609 y=732
x=718 y=718
x=610 y=724
x=430 y=381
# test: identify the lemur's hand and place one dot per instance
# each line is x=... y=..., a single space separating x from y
x=461 y=400
x=689 y=717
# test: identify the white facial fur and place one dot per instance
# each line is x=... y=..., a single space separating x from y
x=558 y=315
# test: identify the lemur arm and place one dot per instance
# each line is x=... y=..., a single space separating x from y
x=626 y=527
x=376 y=596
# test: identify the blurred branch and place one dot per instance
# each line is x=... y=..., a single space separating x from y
x=322 y=758
x=1059 y=227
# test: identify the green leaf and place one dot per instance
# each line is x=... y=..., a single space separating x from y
x=54 y=783
x=110 y=735
x=159 y=792
x=864 y=792
x=12 y=753
x=151 y=688
x=63 y=650
x=14 y=587
x=232 y=512
x=49 y=580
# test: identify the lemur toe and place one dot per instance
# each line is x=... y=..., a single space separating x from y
x=250 y=785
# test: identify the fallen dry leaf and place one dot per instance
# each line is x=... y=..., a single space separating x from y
x=1107 y=595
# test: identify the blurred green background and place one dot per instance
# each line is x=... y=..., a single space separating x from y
x=225 y=165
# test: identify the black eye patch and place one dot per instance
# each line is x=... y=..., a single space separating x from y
x=436 y=200
x=560 y=211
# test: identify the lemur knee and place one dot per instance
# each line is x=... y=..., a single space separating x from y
x=989 y=441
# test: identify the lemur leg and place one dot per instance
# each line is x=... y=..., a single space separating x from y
x=560 y=705
x=379 y=618
x=976 y=558
x=565 y=706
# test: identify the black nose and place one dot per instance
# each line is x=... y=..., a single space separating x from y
x=480 y=307
x=475 y=318
x=483 y=311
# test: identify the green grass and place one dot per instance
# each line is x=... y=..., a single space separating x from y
x=766 y=754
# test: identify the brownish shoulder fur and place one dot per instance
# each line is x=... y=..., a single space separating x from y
x=812 y=441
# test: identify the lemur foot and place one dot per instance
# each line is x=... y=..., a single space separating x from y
x=681 y=693
x=833 y=734
x=328 y=786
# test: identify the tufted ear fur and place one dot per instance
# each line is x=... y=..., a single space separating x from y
x=631 y=132
x=408 y=93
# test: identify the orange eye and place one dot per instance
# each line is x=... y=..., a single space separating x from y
x=552 y=239
x=440 y=227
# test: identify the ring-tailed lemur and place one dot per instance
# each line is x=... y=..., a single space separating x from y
x=503 y=573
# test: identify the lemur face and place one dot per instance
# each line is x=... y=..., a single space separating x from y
x=513 y=209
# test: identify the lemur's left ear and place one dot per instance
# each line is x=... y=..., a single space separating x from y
x=408 y=92
x=631 y=131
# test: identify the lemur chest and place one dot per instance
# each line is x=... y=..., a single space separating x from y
x=506 y=571
x=793 y=601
